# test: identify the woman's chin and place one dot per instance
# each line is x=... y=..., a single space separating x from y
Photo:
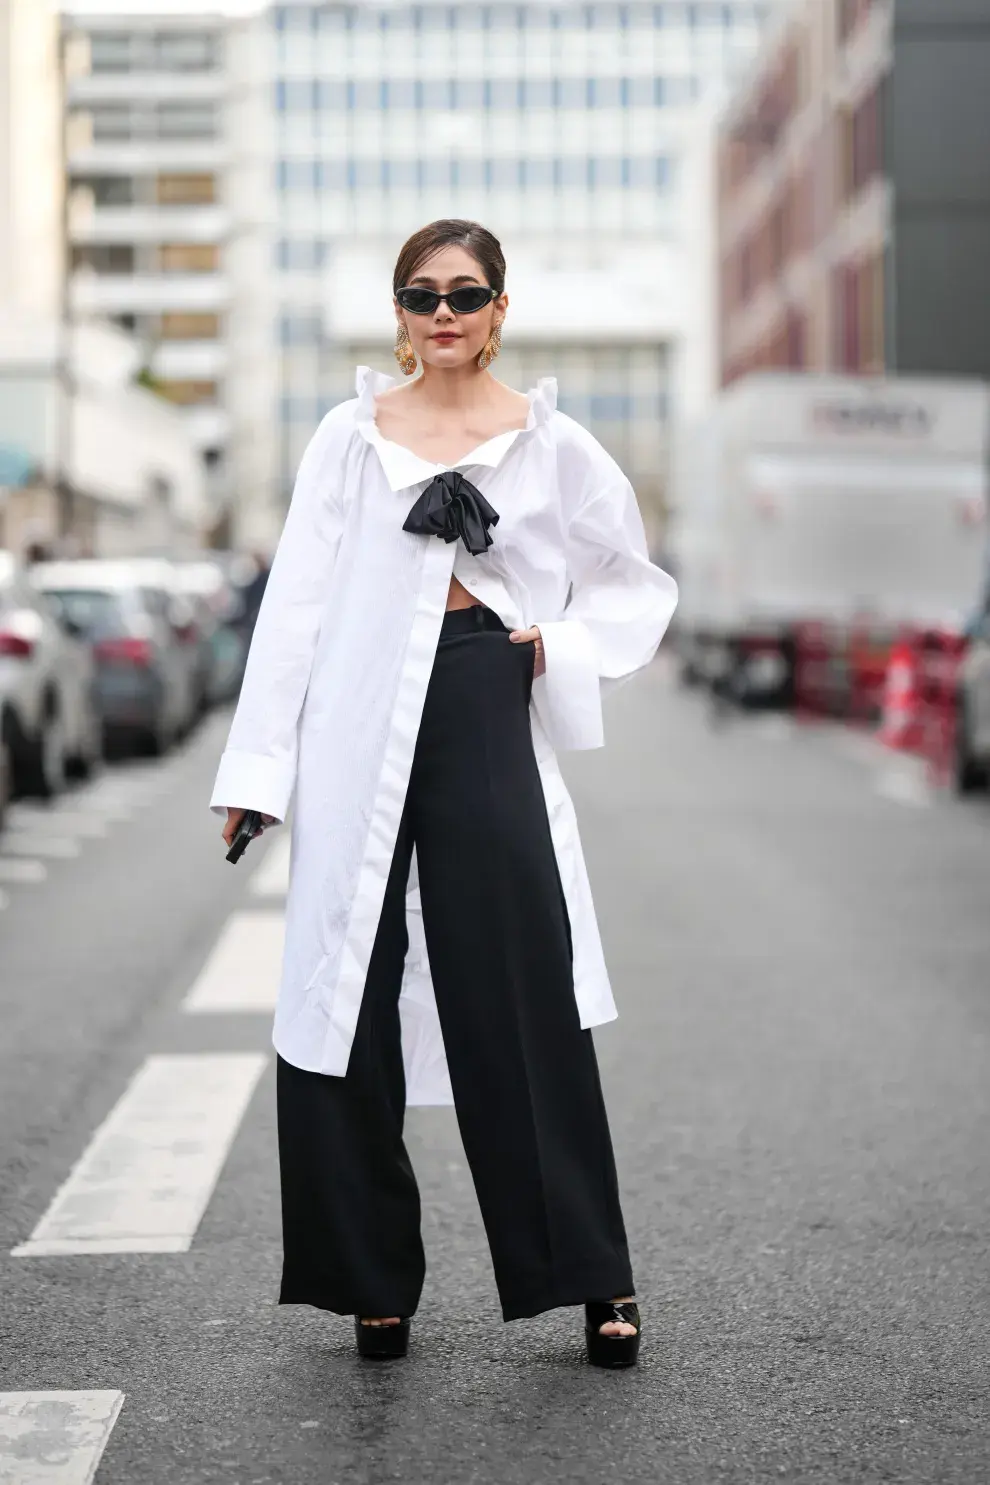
x=448 y=356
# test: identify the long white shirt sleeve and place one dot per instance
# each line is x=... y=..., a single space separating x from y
x=258 y=768
x=620 y=603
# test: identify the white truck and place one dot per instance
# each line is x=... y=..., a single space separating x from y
x=804 y=499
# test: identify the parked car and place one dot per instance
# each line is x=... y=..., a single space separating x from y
x=218 y=605
x=142 y=639
x=973 y=720
x=49 y=716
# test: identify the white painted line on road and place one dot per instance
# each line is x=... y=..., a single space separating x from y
x=54 y=1438
x=55 y=847
x=144 y=1180
x=864 y=747
x=59 y=821
x=904 y=787
x=22 y=871
x=271 y=878
x=243 y=970
x=774 y=728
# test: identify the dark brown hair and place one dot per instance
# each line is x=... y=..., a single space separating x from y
x=451 y=232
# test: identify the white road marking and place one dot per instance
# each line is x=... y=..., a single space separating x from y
x=904 y=786
x=863 y=746
x=774 y=728
x=54 y=1438
x=271 y=878
x=143 y=1182
x=243 y=970
x=55 y=847
x=58 y=821
x=21 y=871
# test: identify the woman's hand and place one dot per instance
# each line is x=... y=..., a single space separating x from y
x=526 y=636
x=234 y=818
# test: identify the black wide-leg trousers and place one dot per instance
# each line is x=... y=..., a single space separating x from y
x=524 y=1075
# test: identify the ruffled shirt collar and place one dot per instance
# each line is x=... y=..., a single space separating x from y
x=403 y=468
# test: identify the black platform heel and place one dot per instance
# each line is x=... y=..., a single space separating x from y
x=382 y=1340
x=611 y=1350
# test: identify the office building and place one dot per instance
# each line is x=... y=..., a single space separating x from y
x=169 y=226
x=854 y=196
x=560 y=126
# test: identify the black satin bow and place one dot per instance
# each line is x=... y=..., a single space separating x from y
x=452 y=507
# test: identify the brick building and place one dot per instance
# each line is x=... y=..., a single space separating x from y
x=854 y=193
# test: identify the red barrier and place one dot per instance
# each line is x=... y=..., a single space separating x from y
x=940 y=656
x=901 y=726
x=821 y=671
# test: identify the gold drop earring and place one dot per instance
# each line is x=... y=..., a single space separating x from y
x=492 y=348
x=404 y=353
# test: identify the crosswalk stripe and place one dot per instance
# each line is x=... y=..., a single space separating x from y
x=271 y=878
x=143 y=1182
x=18 y=869
x=243 y=970
x=903 y=786
x=54 y=1438
x=59 y=822
x=55 y=847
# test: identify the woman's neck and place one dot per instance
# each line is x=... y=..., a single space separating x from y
x=460 y=388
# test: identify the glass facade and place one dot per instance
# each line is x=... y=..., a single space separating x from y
x=538 y=119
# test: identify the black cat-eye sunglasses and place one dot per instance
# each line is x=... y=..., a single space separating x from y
x=466 y=300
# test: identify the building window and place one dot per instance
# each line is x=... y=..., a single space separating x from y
x=186 y=190
x=538 y=92
x=863 y=143
x=300 y=329
x=605 y=92
x=110 y=51
x=104 y=258
x=109 y=190
x=189 y=257
x=188 y=393
x=297 y=175
x=187 y=51
x=186 y=121
x=111 y=121
x=503 y=92
x=186 y=325
x=299 y=254
x=331 y=94
x=572 y=92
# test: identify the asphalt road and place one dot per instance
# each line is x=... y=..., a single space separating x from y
x=799 y=1089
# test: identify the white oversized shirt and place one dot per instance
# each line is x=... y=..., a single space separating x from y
x=338 y=669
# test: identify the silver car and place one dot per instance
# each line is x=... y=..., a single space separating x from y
x=973 y=722
x=142 y=641
x=49 y=720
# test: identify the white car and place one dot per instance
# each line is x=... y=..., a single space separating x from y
x=49 y=719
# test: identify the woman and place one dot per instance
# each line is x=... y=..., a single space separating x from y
x=412 y=690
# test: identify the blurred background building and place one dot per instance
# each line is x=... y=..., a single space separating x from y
x=169 y=221
x=854 y=210
x=88 y=457
x=560 y=126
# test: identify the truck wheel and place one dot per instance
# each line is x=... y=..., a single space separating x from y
x=971 y=776
x=6 y=770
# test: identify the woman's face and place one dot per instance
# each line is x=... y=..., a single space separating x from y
x=444 y=338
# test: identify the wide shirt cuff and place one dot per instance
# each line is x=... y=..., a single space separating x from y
x=568 y=695
x=253 y=781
